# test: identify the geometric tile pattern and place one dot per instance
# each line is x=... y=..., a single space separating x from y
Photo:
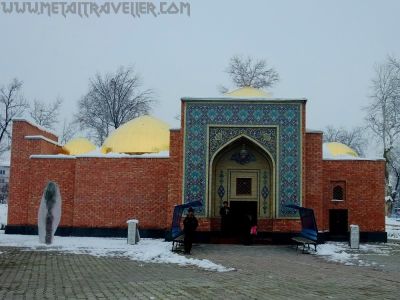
x=219 y=136
x=206 y=121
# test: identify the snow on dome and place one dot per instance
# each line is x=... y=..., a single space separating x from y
x=248 y=92
x=338 y=150
x=144 y=134
x=78 y=146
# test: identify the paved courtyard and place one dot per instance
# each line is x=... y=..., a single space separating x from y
x=262 y=272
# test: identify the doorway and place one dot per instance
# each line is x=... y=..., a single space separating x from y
x=242 y=172
x=338 y=222
x=240 y=211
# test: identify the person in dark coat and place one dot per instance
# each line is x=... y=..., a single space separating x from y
x=225 y=213
x=190 y=224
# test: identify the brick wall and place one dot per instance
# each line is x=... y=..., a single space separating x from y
x=61 y=171
x=110 y=191
x=175 y=173
x=364 y=194
x=20 y=170
x=96 y=192
x=314 y=176
x=106 y=192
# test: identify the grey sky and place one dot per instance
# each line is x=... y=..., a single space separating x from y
x=323 y=50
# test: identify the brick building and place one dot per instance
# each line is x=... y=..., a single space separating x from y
x=246 y=148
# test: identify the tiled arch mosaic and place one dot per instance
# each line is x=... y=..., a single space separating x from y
x=220 y=135
x=200 y=116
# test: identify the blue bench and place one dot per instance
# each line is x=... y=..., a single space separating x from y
x=178 y=239
x=306 y=238
x=177 y=234
x=309 y=231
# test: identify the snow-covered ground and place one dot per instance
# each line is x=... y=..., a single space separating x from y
x=341 y=252
x=147 y=250
x=158 y=251
x=393 y=228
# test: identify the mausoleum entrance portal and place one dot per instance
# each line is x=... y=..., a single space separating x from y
x=242 y=174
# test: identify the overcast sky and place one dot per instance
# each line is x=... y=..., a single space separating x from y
x=324 y=51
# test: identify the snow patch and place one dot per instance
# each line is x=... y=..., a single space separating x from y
x=309 y=130
x=98 y=154
x=342 y=253
x=389 y=198
x=393 y=228
x=147 y=250
x=3 y=215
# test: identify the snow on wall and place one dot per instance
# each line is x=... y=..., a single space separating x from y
x=98 y=154
x=36 y=125
x=41 y=137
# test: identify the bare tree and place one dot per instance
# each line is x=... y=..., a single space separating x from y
x=394 y=163
x=4 y=193
x=112 y=100
x=46 y=115
x=354 y=138
x=251 y=72
x=68 y=131
x=12 y=105
x=383 y=113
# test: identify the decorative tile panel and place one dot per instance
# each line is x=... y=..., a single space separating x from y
x=202 y=120
x=218 y=136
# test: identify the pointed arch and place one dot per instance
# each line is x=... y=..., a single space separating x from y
x=211 y=164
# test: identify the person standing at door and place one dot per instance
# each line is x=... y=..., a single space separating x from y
x=225 y=213
x=190 y=224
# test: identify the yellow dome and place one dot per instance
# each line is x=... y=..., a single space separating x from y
x=248 y=92
x=339 y=149
x=141 y=135
x=78 y=146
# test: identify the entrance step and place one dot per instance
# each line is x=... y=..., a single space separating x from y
x=225 y=240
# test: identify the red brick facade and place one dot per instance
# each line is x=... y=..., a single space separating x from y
x=106 y=192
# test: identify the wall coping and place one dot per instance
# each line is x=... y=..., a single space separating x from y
x=161 y=155
x=52 y=156
x=308 y=130
x=244 y=99
x=354 y=159
x=41 y=137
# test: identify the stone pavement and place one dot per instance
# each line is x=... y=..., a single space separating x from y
x=263 y=272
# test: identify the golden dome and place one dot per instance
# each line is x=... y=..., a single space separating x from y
x=248 y=91
x=144 y=134
x=338 y=149
x=78 y=146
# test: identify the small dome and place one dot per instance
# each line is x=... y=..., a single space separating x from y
x=248 y=91
x=78 y=146
x=144 y=134
x=335 y=149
